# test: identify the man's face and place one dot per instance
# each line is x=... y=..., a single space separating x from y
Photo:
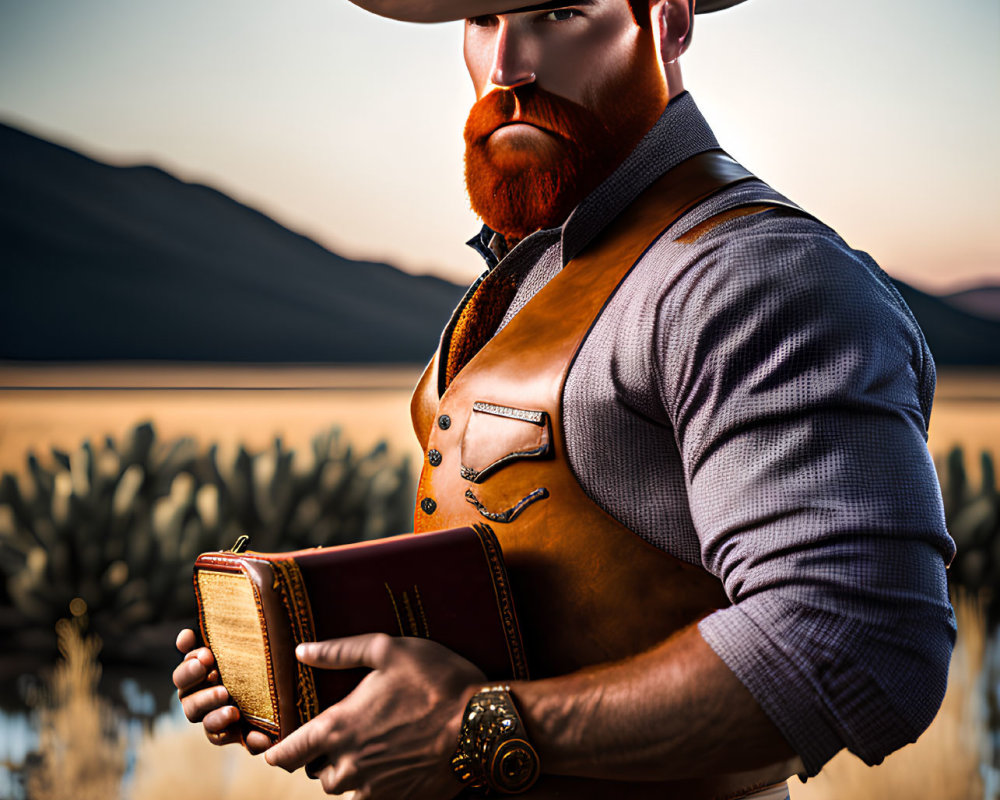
x=563 y=95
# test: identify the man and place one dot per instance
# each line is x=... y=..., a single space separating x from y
x=671 y=383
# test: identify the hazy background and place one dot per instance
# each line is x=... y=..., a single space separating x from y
x=879 y=117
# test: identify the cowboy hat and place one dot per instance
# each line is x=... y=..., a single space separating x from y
x=446 y=10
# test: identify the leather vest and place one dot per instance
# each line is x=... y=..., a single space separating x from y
x=588 y=590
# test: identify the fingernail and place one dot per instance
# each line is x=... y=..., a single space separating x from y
x=301 y=651
x=221 y=693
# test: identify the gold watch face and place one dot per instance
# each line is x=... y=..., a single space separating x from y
x=515 y=766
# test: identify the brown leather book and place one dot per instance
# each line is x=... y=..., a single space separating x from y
x=254 y=608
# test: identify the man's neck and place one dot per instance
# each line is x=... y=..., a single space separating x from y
x=672 y=76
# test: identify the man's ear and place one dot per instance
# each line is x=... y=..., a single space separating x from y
x=673 y=20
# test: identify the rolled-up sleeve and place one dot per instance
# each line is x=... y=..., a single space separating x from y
x=799 y=389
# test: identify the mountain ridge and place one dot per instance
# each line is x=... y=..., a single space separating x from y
x=982 y=301
x=110 y=262
x=153 y=257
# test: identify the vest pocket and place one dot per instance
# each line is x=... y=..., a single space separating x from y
x=496 y=436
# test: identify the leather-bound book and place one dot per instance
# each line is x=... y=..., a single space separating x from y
x=254 y=608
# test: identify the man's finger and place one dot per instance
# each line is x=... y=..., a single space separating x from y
x=366 y=650
x=204 y=655
x=257 y=742
x=189 y=674
x=228 y=736
x=219 y=719
x=312 y=740
x=186 y=640
x=316 y=766
x=328 y=779
x=197 y=704
x=339 y=779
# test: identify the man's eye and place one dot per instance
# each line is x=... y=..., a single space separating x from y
x=561 y=14
x=483 y=21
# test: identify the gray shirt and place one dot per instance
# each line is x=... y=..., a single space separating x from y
x=757 y=403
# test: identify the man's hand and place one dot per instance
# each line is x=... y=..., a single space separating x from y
x=392 y=738
x=204 y=698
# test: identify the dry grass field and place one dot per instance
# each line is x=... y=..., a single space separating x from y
x=966 y=411
x=59 y=406
x=43 y=407
x=84 y=749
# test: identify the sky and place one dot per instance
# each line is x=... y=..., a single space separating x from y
x=881 y=118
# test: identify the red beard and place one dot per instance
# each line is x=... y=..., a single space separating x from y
x=519 y=189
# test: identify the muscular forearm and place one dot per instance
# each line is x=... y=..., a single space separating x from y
x=675 y=711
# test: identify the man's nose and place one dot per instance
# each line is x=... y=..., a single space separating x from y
x=513 y=64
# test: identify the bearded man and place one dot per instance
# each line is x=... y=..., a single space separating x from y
x=696 y=420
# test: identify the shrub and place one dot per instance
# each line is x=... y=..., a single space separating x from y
x=972 y=514
x=120 y=526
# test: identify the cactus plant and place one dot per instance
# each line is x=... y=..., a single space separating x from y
x=973 y=517
x=120 y=525
x=972 y=514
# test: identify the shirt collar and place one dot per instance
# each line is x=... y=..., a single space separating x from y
x=490 y=245
x=679 y=133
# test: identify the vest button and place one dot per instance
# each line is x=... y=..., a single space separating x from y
x=444 y=422
x=428 y=506
x=434 y=457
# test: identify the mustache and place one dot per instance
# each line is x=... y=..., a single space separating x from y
x=531 y=105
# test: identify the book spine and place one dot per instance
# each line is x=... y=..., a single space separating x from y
x=294 y=597
x=505 y=603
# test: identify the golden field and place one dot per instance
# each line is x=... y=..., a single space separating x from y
x=58 y=406
x=943 y=764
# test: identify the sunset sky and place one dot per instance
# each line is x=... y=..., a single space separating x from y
x=882 y=118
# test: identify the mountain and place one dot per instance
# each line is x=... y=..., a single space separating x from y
x=955 y=337
x=101 y=262
x=104 y=262
x=983 y=301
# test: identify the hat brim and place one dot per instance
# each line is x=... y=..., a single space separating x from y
x=449 y=10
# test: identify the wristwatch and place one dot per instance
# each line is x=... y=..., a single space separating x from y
x=493 y=753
